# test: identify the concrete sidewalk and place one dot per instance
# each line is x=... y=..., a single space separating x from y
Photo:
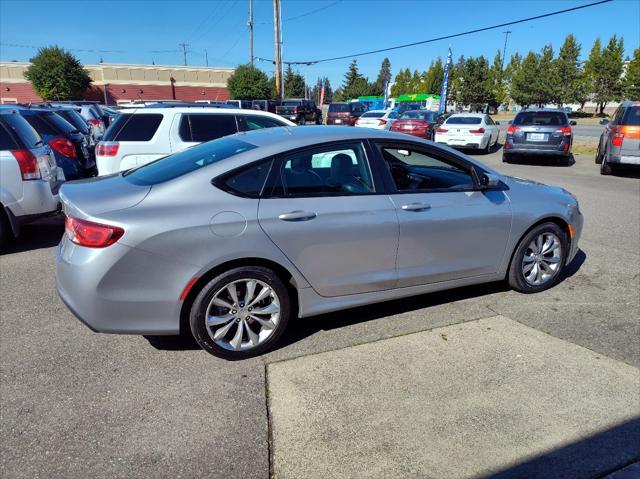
x=484 y=398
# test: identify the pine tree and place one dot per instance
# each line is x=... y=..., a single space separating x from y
x=294 y=86
x=523 y=81
x=415 y=84
x=496 y=81
x=604 y=68
x=432 y=80
x=545 y=83
x=632 y=77
x=567 y=71
x=384 y=77
x=473 y=83
x=401 y=85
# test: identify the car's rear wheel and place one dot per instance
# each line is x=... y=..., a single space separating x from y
x=240 y=313
x=539 y=259
x=487 y=149
x=605 y=168
x=599 y=155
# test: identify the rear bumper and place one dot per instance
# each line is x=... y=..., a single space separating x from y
x=120 y=289
x=632 y=160
x=533 y=149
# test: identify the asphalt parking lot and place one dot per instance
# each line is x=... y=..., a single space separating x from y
x=80 y=404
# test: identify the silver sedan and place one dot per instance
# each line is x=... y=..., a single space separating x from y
x=229 y=239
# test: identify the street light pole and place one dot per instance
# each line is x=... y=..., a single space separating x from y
x=504 y=50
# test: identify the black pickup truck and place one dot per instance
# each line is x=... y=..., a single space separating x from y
x=300 y=111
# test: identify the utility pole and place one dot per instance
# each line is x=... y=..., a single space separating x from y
x=250 y=23
x=206 y=57
x=504 y=50
x=276 y=41
x=184 y=51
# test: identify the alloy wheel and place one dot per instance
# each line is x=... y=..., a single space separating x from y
x=541 y=261
x=242 y=314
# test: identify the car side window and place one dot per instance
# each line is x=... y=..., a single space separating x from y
x=393 y=115
x=413 y=169
x=256 y=122
x=203 y=127
x=324 y=171
x=248 y=181
x=6 y=141
x=488 y=120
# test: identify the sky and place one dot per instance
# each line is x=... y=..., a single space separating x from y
x=123 y=31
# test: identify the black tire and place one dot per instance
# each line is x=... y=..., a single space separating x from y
x=5 y=229
x=200 y=305
x=598 y=156
x=516 y=276
x=605 y=168
x=506 y=158
x=487 y=149
x=303 y=121
x=319 y=120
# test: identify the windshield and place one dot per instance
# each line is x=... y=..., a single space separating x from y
x=186 y=161
x=339 y=108
x=464 y=120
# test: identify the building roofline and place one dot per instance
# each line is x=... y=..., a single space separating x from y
x=136 y=65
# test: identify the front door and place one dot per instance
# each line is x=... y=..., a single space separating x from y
x=324 y=214
x=448 y=230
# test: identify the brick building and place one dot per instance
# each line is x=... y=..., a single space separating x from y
x=121 y=83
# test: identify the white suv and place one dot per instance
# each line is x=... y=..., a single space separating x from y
x=28 y=175
x=142 y=135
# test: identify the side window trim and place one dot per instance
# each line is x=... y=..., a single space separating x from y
x=378 y=145
x=273 y=178
x=220 y=180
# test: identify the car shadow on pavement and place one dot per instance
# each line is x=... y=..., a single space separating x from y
x=538 y=160
x=598 y=455
x=300 y=328
x=44 y=233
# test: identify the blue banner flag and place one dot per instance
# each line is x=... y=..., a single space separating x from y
x=445 y=84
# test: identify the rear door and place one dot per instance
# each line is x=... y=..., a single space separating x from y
x=191 y=129
x=324 y=213
x=448 y=230
x=140 y=140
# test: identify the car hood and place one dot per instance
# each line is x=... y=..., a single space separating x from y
x=93 y=196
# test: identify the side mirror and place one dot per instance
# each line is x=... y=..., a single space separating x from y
x=487 y=180
x=497 y=122
x=604 y=121
x=573 y=123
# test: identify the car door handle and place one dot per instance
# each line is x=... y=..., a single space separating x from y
x=297 y=216
x=416 y=207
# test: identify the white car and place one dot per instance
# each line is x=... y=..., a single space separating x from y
x=378 y=119
x=469 y=130
x=139 y=136
x=29 y=181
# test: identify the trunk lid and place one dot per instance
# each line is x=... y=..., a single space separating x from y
x=93 y=196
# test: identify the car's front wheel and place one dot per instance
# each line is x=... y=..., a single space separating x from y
x=538 y=259
x=240 y=313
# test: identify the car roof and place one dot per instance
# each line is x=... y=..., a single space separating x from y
x=189 y=109
x=543 y=110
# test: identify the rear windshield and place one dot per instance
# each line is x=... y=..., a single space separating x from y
x=418 y=115
x=631 y=116
x=339 y=108
x=186 y=161
x=373 y=114
x=464 y=120
x=130 y=127
x=540 y=118
x=75 y=119
x=41 y=125
x=62 y=124
x=20 y=127
x=292 y=103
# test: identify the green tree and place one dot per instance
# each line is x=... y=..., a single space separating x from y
x=474 y=82
x=248 y=83
x=523 y=81
x=384 y=77
x=294 y=86
x=317 y=89
x=604 y=68
x=497 y=81
x=57 y=75
x=432 y=80
x=352 y=85
x=632 y=77
x=546 y=84
x=401 y=84
x=415 y=83
x=271 y=85
x=567 y=71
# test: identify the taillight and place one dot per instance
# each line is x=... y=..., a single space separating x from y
x=90 y=234
x=565 y=130
x=94 y=122
x=512 y=129
x=479 y=131
x=441 y=130
x=382 y=122
x=618 y=136
x=28 y=164
x=107 y=148
x=64 y=147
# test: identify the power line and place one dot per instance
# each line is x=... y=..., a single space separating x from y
x=445 y=37
x=306 y=14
